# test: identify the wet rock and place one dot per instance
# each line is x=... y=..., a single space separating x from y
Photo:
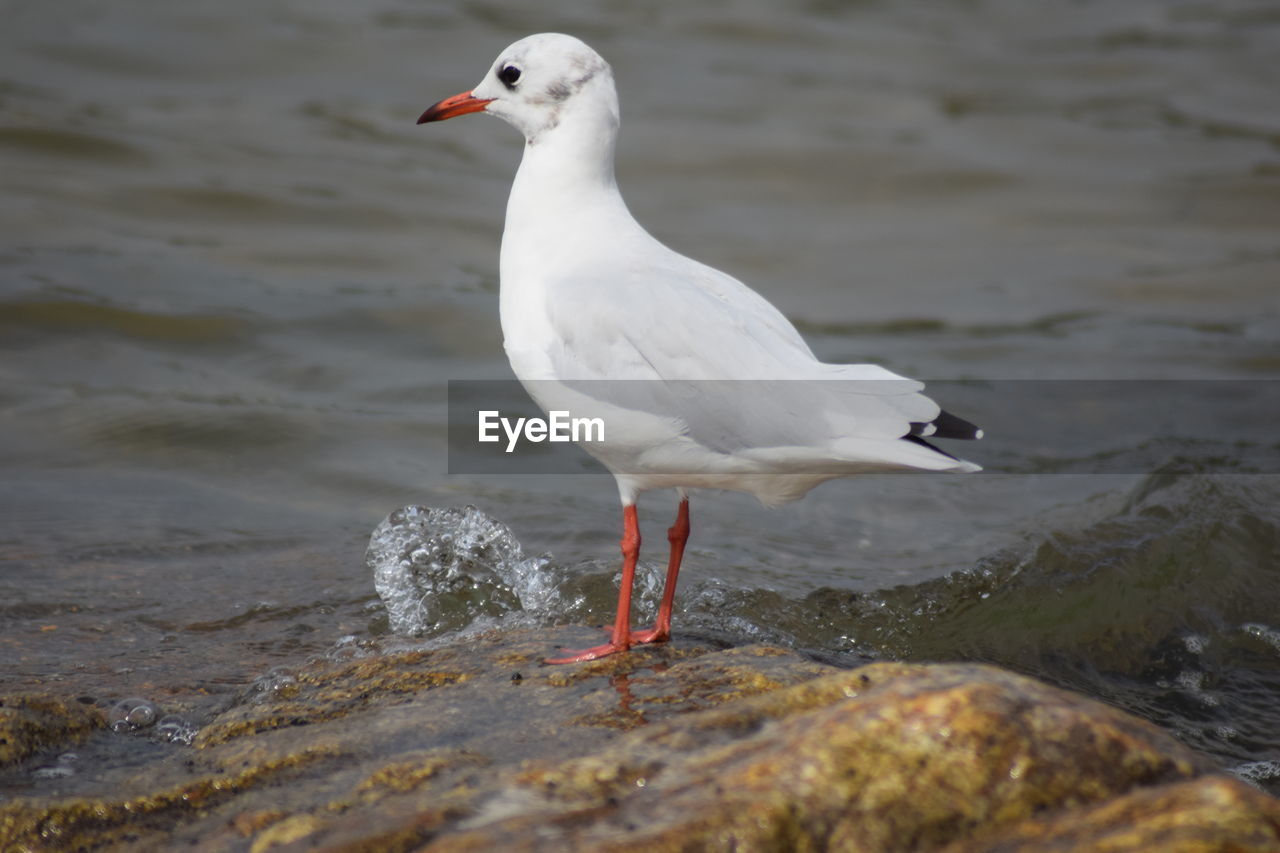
x=123 y=823
x=886 y=757
x=478 y=746
x=32 y=723
x=333 y=692
x=1212 y=813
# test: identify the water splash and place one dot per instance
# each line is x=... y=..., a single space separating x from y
x=1266 y=633
x=1257 y=773
x=440 y=570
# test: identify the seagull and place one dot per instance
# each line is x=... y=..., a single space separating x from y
x=701 y=381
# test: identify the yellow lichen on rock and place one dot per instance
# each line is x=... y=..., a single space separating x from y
x=414 y=771
x=30 y=723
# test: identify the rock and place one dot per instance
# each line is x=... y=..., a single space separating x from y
x=886 y=757
x=1211 y=813
x=31 y=723
x=477 y=746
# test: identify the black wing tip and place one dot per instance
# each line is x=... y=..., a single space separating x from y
x=947 y=425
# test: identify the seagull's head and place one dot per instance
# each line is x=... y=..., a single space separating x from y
x=537 y=84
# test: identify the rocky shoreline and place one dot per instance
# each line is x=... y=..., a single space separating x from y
x=478 y=746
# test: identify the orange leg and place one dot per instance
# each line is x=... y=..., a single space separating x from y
x=677 y=535
x=620 y=640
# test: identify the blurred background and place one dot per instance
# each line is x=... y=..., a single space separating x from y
x=235 y=278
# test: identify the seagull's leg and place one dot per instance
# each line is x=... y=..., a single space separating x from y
x=677 y=535
x=620 y=640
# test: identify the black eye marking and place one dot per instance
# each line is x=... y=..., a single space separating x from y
x=509 y=75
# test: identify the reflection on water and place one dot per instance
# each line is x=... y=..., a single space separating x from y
x=235 y=279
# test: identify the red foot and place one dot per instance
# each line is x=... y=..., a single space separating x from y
x=637 y=638
x=580 y=655
x=651 y=635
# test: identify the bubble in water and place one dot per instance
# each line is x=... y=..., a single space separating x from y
x=351 y=647
x=439 y=570
x=131 y=714
x=279 y=682
x=175 y=729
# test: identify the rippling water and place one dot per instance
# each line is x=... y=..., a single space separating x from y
x=235 y=278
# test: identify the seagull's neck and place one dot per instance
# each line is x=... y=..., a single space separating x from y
x=564 y=210
x=565 y=181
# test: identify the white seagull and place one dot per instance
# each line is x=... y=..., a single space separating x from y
x=730 y=397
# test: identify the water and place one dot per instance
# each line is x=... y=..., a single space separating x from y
x=438 y=571
x=235 y=278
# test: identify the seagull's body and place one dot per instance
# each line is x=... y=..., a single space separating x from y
x=733 y=397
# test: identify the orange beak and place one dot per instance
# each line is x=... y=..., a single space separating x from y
x=457 y=105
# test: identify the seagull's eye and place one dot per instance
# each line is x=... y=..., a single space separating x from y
x=509 y=75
